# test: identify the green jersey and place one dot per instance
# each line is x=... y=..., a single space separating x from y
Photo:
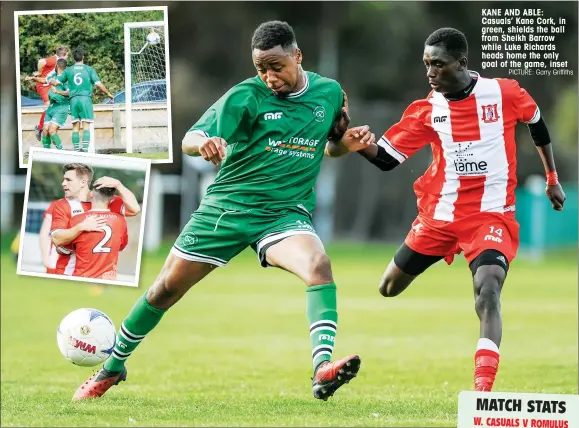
x=80 y=78
x=275 y=145
x=54 y=97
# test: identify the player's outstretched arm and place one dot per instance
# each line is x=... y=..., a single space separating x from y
x=542 y=139
x=353 y=140
x=211 y=149
x=104 y=90
x=132 y=206
x=376 y=155
x=62 y=237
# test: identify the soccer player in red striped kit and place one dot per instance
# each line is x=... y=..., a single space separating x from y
x=466 y=198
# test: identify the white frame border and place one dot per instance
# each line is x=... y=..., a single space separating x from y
x=164 y=9
x=140 y=244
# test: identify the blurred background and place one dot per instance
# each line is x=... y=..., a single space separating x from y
x=374 y=49
x=46 y=178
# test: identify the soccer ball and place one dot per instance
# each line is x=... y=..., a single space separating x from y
x=153 y=38
x=86 y=337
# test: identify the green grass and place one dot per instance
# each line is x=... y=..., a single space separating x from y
x=235 y=351
x=150 y=155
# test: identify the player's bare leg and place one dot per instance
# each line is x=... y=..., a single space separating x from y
x=305 y=257
x=76 y=136
x=488 y=280
x=394 y=281
x=406 y=265
x=174 y=280
x=53 y=135
x=40 y=127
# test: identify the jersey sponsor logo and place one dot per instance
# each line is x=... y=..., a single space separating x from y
x=319 y=114
x=465 y=165
x=189 y=239
x=440 y=119
x=416 y=228
x=75 y=212
x=273 y=116
x=490 y=113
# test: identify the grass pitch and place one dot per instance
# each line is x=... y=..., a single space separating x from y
x=235 y=351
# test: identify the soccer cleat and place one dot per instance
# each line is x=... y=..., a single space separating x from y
x=329 y=376
x=99 y=383
x=38 y=132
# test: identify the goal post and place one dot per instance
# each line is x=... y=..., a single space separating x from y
x=146 y=88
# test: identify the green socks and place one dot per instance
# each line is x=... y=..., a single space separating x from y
x=76 y=140
x=85 y=140
x=56 y=141
x=46 y=141
x=140 y=321
x=321 y=307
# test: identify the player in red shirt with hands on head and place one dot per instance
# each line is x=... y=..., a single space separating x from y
x=97 y=249
x=466 y=198
x=76 y=186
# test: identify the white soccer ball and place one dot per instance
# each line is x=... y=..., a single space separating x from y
x=86 y=337
x=153 y=38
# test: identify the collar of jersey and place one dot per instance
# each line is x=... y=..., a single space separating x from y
x=303 y=90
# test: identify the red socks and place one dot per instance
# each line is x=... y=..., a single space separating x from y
x=486 y=364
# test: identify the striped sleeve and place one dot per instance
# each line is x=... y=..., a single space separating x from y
x=411 y=133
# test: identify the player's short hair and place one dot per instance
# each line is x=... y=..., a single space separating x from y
x=78 y=53
x=61 y=51
x=82 y=170
x=453 y=40
x=273 y=33
x=61 y=62
x=104 y=193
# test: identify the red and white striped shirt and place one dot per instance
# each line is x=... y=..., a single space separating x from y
x=473 y=147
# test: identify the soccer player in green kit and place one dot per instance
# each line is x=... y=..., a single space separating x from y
x=269 y=133
x=81 y=78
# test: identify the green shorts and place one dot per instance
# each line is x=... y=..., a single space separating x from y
x=57 y=113
x=81 y=109
x=215 y=235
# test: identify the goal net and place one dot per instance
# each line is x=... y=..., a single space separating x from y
x=147 y=112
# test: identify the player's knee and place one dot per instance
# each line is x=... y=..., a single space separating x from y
x=320 y=269
x=488 y=283
x=390 y=287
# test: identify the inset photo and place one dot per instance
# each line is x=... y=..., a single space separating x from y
x=95 y=81
x=84 y=217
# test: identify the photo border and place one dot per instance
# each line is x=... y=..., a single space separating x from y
x=21 y=163
x=134 y=284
